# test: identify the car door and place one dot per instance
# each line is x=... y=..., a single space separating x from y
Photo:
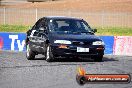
x=33 y=36
x=42 y=36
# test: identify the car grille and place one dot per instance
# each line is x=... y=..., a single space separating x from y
x=81 y=43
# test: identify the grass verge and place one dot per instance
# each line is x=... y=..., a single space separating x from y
x=116 y=31
x=13 y=28
x=113 y=31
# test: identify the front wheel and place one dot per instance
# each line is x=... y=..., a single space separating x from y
x=29 y=54
x=49 y=55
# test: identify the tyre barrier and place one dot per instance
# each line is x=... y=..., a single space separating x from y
x=114 y=45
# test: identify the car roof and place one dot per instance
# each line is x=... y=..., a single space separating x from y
x=61 y=17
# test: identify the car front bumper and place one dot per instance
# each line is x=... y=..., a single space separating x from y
x=71 y=51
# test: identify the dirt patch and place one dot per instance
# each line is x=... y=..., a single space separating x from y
x=96 y=12
x=81 y=5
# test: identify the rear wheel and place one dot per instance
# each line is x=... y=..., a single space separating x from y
x=98 y=58
x=49 y=55
x=29 y=54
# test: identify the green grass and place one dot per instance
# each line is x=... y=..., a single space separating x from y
x=116 y=31
x=13 y=28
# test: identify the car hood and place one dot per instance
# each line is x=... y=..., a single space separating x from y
x=73 y=37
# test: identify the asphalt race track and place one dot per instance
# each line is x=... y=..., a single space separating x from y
x=18 y=72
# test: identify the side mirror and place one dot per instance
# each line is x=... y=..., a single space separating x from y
x=94 y=30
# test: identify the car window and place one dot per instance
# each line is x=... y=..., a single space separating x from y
x=62 y=23
x=39 y=23
x=69 y=25
x=36 y=27
x=43 y=24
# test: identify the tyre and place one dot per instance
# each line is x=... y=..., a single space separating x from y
x=49 y=55
x=29 y=54
x=98 y=58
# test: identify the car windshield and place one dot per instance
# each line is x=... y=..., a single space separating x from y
x=69 y=26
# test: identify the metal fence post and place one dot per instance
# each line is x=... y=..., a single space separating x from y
x=4 y=16
x=36 y=12
x=102 y=19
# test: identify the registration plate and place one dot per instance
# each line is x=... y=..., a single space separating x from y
x=80 y=49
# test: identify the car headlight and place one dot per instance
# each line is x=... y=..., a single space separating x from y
x=98 y=43
x=62 y=41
